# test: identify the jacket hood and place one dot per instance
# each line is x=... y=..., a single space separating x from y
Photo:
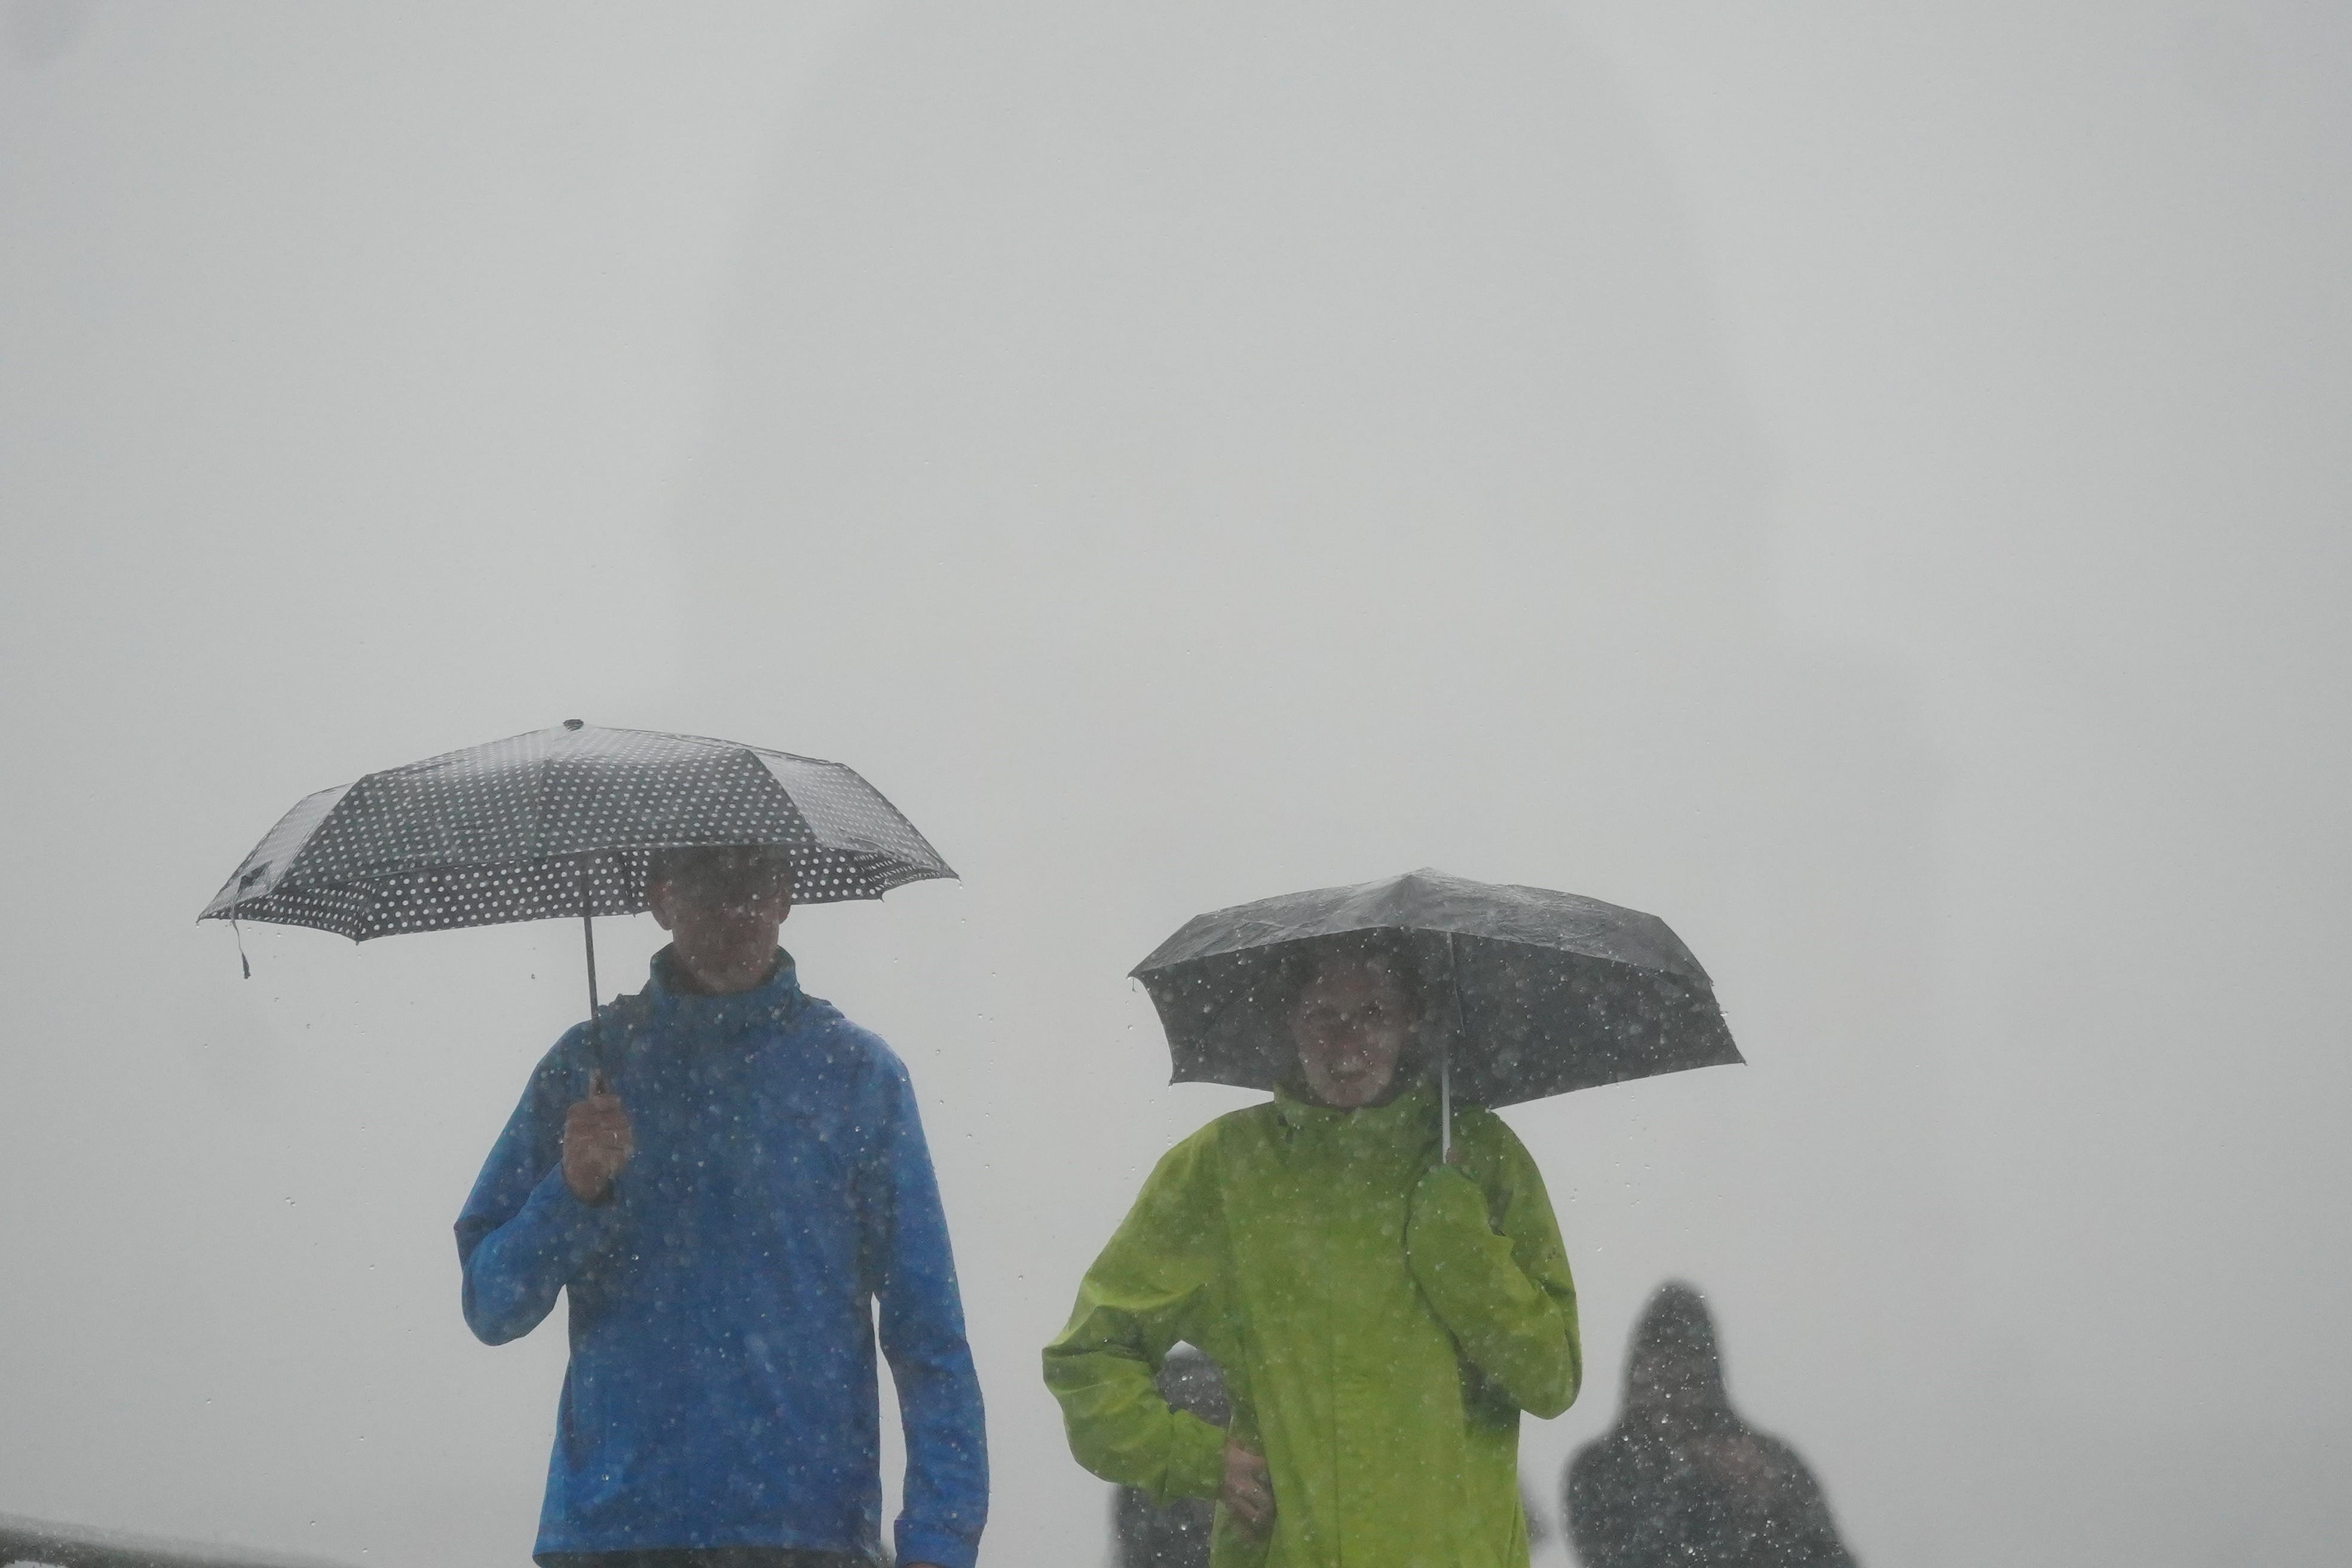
x=1675 y=1359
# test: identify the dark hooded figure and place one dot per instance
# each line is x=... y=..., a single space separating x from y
x=1176 y=1536
x=1682 y=1480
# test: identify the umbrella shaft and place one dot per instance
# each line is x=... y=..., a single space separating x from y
x=1461 y=1030
x=588 y=936
x=1446 y=1106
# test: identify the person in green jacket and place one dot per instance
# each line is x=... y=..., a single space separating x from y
x=1381 y=1317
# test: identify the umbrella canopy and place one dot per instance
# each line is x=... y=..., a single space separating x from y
x=1531 y=993
x=561 y=823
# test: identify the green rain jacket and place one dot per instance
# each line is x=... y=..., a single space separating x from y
x=1381 y=1318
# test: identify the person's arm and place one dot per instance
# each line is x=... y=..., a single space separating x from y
x=1488 y=1257
x=946 y=1492
x=522 y=1234
x=1133 y=1305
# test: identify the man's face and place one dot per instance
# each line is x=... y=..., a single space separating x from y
x=1352 y=1023
x=722 y=913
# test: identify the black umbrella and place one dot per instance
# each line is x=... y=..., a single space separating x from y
x=561 y=823
x=1550 y=992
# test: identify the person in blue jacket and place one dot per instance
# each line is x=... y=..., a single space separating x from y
x=724 y=1210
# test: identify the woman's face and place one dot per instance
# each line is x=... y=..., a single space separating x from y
x=1351 y=1024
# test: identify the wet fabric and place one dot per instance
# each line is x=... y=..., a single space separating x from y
x=721 y=1390
x=1533 y=992
x=561 y=823
x=1174 y=1534
x=707 y=1557
x=1381 y=1323
x=1682 y=1480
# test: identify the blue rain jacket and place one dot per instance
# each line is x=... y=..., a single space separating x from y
x=721 y=1390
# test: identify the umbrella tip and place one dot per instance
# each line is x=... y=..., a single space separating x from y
x=572 y=723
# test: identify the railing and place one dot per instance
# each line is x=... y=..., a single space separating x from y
x=39 y=1544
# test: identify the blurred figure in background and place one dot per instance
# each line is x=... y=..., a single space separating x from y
x=1682 y=1480
x=1176 y=1536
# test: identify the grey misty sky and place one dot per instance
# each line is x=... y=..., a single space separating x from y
x=1862 y=482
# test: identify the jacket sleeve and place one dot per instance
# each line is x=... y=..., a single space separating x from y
x=945 y=1500
x=522 y=1234
x=1488 y=1257
x=1142 y=1297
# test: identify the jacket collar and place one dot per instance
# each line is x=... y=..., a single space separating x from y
x=1414 y=1108
x=772 y=1002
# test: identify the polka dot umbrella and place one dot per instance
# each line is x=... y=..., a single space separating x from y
x=561 y=823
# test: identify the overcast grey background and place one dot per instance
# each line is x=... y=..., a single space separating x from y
x=1867 y=482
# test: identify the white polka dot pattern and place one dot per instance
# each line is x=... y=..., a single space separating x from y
x=507 y=831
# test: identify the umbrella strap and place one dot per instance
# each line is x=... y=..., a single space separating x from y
x=244 y=963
